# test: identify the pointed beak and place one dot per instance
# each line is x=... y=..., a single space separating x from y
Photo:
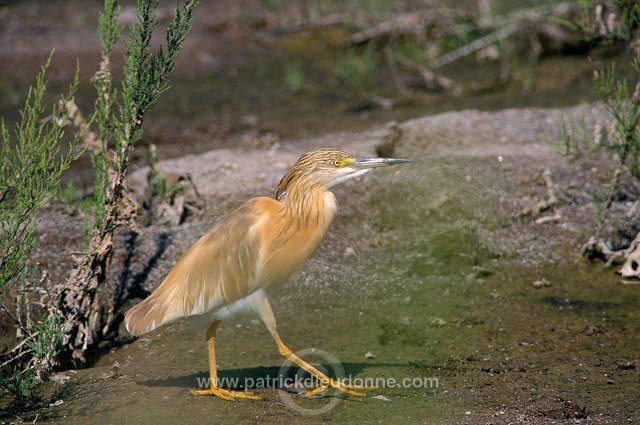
x=367 y=163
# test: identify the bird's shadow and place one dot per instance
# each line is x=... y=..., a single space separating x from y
x=261 y=377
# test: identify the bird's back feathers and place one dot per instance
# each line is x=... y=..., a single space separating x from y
x=260 y=244
x=217 y=270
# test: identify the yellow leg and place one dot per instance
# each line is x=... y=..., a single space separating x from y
x=353 y=390
x=266 y=314
x=214 y=389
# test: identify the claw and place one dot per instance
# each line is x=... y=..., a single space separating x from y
x=316 y=391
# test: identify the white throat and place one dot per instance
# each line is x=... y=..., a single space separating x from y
x=349 y=176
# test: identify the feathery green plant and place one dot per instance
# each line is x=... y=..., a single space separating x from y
x=146 y=77
x=613 y=22
x=357 y=68
x=597 y=23
x=18 y=382
x=118 y=117
x=294 y=76
x=31 y=361
x=574 y=136
x=623 y=103
x=109 y=31
x=30 y=170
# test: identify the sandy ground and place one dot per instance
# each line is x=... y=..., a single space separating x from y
x=427 y=276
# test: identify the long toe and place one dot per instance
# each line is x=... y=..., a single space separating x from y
x=352 y=390
x=225 y=394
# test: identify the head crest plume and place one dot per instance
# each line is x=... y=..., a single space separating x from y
x=311 y=169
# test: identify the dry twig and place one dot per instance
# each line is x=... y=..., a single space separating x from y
x=549 y=203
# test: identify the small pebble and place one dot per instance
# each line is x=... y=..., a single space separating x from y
x=541 y=283
x=405 y=320
x=59 y=377
x=626 y=365
x=56 y=404
x=437 y=322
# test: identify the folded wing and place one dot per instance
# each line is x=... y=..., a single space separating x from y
x=220 y=268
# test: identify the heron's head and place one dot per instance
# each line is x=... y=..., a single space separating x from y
x=327 y=167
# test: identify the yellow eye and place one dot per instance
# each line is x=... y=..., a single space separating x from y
x=336 y=163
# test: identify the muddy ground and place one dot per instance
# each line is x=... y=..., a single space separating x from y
x=429 y=273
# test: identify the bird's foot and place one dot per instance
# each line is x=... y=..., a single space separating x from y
x=352 y=390
x=226 y=394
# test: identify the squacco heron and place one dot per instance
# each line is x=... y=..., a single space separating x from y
x=259 y=245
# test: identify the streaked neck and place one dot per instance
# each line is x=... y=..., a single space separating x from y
x=314 y=205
